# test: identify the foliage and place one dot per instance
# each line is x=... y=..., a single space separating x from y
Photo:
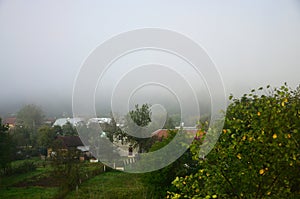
x=39 y=183
x=257 y=155
x=111 y=128
x=102 y=148
x=159 y=181
x=141 y=116
x=135 y=119
x=68 y=129
x=42 y=140
x=57 y=129
x=11 y=180
x=68 y=170
x=66 y=167
x=46 y=136
x=30 y=116
x=21 y=136
x=6 y=149
x=24 y=167
x=10 y=185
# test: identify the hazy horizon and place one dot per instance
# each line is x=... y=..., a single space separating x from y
x=44 y=44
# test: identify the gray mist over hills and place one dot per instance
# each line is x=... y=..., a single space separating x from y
x=44 y=44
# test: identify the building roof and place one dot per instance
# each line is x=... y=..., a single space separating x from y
x=63 y=121
x=49 y=121
x=70 y=141
x=101 y=120
x=160 y=133
x=60 y=122
x=10 y=120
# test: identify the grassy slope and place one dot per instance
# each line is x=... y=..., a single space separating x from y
x=7 y=190
x=28 y=193
x=112 y=185
x=105 y=185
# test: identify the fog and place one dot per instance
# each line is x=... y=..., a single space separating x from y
x=43 y=45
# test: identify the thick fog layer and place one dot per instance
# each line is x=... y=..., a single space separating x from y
x=44 y=44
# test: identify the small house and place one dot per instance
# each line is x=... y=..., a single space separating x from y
x=71 y=143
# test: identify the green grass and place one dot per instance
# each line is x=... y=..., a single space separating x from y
x=109 y=185
x=112 y=185
x=11 y=180
x=30 y=193
x=8 y=190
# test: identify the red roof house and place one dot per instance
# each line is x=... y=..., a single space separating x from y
x=10 y=121
x=163 y=133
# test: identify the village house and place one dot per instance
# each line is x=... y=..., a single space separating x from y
x=66 y=143
x=10 y=121
x=160 y=134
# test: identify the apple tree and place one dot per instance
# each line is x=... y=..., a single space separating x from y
x=257 y=154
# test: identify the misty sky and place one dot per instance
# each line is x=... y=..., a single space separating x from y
x=44 y=43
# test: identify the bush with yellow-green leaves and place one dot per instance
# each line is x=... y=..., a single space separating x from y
x=257 y=154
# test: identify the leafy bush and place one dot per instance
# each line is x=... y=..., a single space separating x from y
x=159 y=181
x=69 y=172
x=257 y=155
x=66 y=169
x=23 y=167
x=6 y=149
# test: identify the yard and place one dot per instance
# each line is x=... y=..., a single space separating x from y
x=112 y=185
x=40 y=184
x=31 y=185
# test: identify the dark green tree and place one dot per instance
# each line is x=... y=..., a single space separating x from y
x=21 y=136
x=69 y=129
x=159 y=181
x=139 y=117
x=66 y=168
x=111 y=128
x=6 y=148
x=58 y=130
x=46 y=136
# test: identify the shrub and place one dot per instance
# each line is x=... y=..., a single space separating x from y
x=23 y=167
x=159 y=181
x=257 y=155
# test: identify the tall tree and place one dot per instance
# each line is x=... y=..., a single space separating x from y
x=110 y=128
x=159 y=181
x=139 y=117
x=6 y=148
x=69 y=129
x=30 y=116
x=114 y=130
x=46 y=136
x=257 y=155
x=21 y=136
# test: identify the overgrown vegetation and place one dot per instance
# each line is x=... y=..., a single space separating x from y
x=6 y=149
x=113 y=185
x=257 y=155
x=69 y=172
x=159 y=181
x=24 y=167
